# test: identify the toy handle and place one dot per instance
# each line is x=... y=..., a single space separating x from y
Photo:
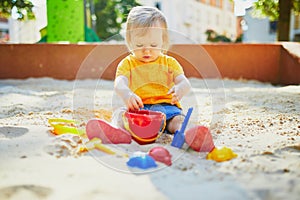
x=186 y=119
x=179 y=138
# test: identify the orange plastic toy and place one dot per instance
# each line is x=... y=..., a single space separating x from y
x=145 y=126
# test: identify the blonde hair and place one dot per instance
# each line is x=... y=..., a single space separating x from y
x=142 y=18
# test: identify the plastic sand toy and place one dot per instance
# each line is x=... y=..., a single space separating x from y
x=199 y=139
x=160 y=154
x=220 y=155
x=98 y=128
x=63 y=126
x=141 y=160
x=145 y=126
x=96 y=143
x=179 y=139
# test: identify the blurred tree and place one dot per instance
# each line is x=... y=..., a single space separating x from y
x=213 y=36
x=111 y=14
x=278 y=10
x=23 y=9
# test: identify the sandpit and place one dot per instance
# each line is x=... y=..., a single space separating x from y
x=260 y=122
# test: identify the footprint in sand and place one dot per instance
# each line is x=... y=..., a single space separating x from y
x=12 y=132
x=31 y=192
x=293 y=150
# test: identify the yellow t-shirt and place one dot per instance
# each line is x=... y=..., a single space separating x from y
x=151 y=81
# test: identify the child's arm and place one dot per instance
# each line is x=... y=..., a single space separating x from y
x=182 y=87
x=132 y=101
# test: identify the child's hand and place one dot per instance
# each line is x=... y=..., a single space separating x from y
x=177 y=94
x=134 y=102
x=182 y=86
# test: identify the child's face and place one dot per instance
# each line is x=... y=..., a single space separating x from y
x=147 y=47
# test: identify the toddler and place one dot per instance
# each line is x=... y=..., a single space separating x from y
x=147 y=78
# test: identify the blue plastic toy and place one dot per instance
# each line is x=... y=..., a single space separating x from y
x=178 y=139
x=141 y=160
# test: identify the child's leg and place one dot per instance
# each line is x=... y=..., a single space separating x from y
x=117 y=117
x=173 y=115
x=175 y=123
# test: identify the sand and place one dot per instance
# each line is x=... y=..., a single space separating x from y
x=260 y=122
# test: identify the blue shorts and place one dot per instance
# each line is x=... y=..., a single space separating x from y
x=169 y=110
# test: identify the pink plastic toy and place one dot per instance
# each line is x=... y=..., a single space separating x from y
x=199 y=139
x=161 y=154
x=98 y=128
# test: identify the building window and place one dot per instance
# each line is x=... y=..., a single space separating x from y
x=297 y=22
x=208 y=18
x=219 y=3
x=229 y=22
x=215 y=3
x=217 y=20
x=273 y=27
x=158 y=5
x=228 y=6
x=206 y=1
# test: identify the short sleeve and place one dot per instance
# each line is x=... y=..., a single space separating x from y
x=123 y=68
x=175 y=66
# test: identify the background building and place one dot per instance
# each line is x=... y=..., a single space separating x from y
x=4 y=37
x=295 y=28
x=194 y=17
x=258 y=29
x=191 y=18
x=262 y=30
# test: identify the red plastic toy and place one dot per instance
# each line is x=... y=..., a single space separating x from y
x=200 y=139
x=145 y=126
